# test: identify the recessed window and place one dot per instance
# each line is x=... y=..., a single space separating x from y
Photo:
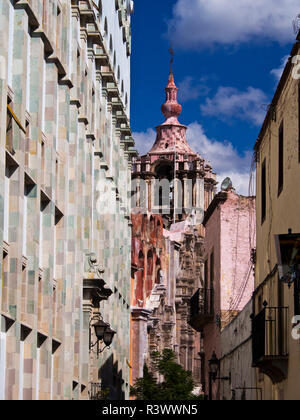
x=105 y=27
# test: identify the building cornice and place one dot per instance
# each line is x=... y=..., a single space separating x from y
x=278 y=92
x=218 y=199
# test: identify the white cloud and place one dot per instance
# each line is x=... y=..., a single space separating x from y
x=224 y=158
x=191 y=89
x=277 y=73
x=144 y=140
x=200 y=23
x=230 y=103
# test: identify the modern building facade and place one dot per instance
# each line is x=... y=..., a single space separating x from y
x=173 y=186
x=276 y=297
x=228 y=280
x=65 y=173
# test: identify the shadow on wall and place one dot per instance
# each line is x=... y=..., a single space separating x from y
x=112 y=379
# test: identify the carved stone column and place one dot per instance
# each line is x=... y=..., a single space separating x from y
x=140 y=340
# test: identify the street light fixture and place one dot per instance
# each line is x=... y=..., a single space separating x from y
x=100 y=328
x=214 y=366
x=288 y=256
x=108 y=336
x=103 y=334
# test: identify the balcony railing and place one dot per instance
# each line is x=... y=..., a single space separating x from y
x=201 y=309
x=270 y=341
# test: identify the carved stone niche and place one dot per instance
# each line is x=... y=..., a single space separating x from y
x=94 y=287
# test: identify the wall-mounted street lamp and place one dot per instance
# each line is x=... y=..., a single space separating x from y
x=214 y=366
x=288 y=256
x=103 y=334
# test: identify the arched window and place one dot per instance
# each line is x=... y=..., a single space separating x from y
x=110 y=44
x=151 y=223
x=105 y=27
x=100 y=8
x=158 y=272
x=149 y=272
x=139 y=291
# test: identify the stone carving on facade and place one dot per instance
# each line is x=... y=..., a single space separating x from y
x=95 y=288
x=178 y=247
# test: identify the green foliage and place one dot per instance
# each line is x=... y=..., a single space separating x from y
x=177 y=383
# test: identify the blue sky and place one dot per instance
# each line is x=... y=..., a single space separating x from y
x=228 y=57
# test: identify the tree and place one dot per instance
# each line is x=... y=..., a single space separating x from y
x=177 y=383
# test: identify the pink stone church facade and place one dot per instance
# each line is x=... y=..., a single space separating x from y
x=171 y=251
x=167 y=243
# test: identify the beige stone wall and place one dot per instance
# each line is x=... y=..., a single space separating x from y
x=282 y=214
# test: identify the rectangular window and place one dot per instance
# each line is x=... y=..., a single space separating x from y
x=263 y=191
x=280 y=160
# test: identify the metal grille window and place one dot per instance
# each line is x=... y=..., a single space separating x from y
x=270 y=334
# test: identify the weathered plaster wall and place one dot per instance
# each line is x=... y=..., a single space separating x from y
x=229 y=236
x=236 y=359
